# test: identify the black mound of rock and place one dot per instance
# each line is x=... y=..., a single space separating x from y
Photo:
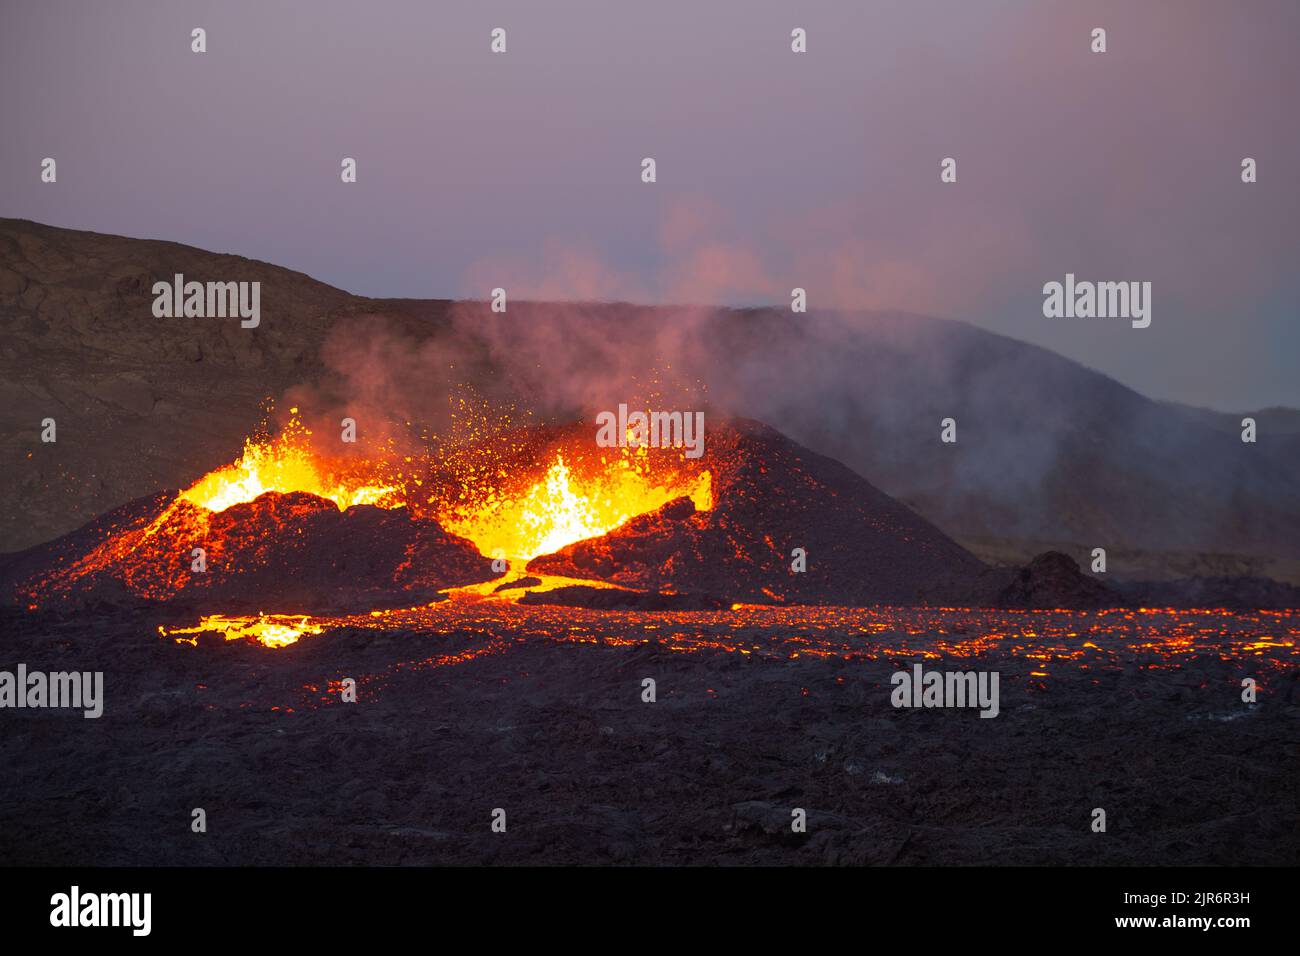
x=1052 y=580
x=1055 y=580
x=292 y=552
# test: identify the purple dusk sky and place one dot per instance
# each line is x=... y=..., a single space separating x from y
x=775 y=170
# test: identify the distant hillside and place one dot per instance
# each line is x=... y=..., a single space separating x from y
x=141 y=404
x=1275 y=421
x=1048 y=451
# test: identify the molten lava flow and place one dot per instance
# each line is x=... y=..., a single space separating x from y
x=564 y=507
x=286 y=463
x=269 y=630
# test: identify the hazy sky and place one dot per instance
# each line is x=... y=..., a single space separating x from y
x=775 y=170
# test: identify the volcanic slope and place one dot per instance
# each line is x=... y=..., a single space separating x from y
x=299 y=552
x=287 y=552
x=771 y=497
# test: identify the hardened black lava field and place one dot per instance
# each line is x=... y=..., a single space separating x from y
x=468 y=706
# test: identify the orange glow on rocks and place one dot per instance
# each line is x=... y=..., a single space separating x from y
x=269 y=630
x=287 y=463
x=576 y=497
x=514 y=502
x=565 y=506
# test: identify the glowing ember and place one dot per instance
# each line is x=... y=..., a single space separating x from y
x=563 y=507
x=270 y=630
x=285 y=463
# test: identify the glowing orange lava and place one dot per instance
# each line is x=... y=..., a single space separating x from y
x=564 y=507
x=286 y=463
x=526 y=507
x=269 y=630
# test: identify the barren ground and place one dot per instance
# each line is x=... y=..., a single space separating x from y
x=539 y=712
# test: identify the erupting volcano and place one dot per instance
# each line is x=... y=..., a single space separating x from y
x=290 y=528
x=517 y=520
x=349 y=650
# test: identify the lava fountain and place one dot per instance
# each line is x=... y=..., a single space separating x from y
x=563 y=506
x=247 y=517
x=287 y=463
x=577 y=496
